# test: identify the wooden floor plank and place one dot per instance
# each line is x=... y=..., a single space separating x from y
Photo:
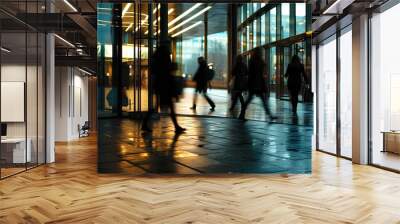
x=71 y=191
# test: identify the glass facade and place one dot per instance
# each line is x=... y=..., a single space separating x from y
x=123 y=50
x=326 y=100
x=300 y=18
x=346 y=92
x=334 y=94
x=273 y=29
x=192 y=44
x=22 y=77
x=285 y=19
x=385 y=88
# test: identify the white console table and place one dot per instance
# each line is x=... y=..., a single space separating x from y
x=19 y=155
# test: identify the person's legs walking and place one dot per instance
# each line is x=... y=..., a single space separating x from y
x=244 y=106
x=209 y=100
x=146 y=120
x=173 y=117
x=294 y=100
x=241 y=98
x=194 y=100
x=235 y=97
x=263 y=97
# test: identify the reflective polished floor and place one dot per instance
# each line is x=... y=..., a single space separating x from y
x=255 y=111
x=210 y=145
x=213 y=143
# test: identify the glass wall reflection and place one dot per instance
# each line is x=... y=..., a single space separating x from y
x=22 y=88
x=385 y=89
x=327 y=93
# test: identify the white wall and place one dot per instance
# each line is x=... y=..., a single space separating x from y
x=71 y=102
x=33 y=127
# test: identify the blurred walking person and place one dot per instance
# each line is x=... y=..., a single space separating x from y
x=202 y=77
x=162 y=70
x=240 y=78
x=257 y=84
x=295 y=73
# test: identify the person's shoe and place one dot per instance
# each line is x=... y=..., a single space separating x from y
x=242 y=117
x=212 y=108
x=180 y=129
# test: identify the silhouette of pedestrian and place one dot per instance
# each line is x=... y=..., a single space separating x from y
x=295 y=72
x=257 y=84
x=240 y=78
x=202 y=77
x=165 y=87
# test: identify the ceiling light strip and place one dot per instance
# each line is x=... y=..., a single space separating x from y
x=126 y=8
x=159 y=18
x=184 y=14
x=187 y=28
x=64 y=40
x=130 y=26
x=158 y=8
x=70 y=5
x=191 y=18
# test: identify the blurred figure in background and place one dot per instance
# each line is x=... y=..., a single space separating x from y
x=162 y=70
x=239 y=85
x=257 y=83
x=295 y=73
x=202 y=77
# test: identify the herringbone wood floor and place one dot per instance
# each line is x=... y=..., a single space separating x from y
x=71 y=191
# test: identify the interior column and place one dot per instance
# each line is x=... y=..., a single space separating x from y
x=360 y=90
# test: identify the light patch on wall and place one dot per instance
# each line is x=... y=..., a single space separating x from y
x=127 y=51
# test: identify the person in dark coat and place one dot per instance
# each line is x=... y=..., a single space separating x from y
x=240 y=76
x=162 y=69
x=257 y=84
x=295 y=73
x=202 y=79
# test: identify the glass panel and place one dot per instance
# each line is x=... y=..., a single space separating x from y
x=256 y=6
x=41 y=99
x=272 y=62
x=105 y=99
x=285 y=20
x=244 y=39
x=249 y=38
x=272 y=27
x=346 y=94
x=32 y=98
x=263 y=33
x=385 y=84
x=300 y=18
x=327 y=96
x=217 y=44
x=14 y=154
x=192 y=48
x=255 y=33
